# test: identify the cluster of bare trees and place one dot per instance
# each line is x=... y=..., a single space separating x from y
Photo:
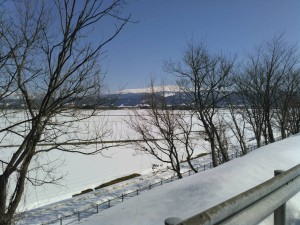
x=47 y=60
x=268 y=85
x=168 y=133
x=231 y=101
x=204 y=79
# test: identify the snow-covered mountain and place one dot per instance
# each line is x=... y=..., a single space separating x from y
x=168 y=88
x=121 y=99
x=138 y=97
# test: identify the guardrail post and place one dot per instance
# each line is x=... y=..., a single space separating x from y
x=279 y=213
x=172 y=221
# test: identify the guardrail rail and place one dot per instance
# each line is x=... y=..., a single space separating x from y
x=252 y=206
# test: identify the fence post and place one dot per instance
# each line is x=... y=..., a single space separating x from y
x=172 y=221
x=161 y=182
x=122 y=198
x=97 y=208
x=108 y=203
x=280 y=212
x=60 y=219
x=137 y=192
x=189 y=172
x=78 y=216
x=204 y=166
x=210 y=164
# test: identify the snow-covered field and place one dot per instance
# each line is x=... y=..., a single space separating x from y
x=181 y=198
x=83 y=172
x=106 y=197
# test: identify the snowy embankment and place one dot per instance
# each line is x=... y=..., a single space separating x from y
x=191 y=195
x=101 y=199
x=181 y=198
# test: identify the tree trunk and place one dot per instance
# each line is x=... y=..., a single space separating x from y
x=258 y=139
x=214 y=155
x=177 y=171
x=179 y=175
x=243 y=146
x=270 y=132
x=282 y=130
x=3 y=195
x=4 y=218
x=5 y=221
x=191 y=165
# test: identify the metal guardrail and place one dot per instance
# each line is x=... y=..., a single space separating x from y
x=252 y=206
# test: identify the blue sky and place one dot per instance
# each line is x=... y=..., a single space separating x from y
x=165 y=26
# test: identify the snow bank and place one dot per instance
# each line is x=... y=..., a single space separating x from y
x=196 y=193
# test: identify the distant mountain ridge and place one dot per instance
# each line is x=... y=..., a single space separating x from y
x=168 y=88
x=127 y=98
x=138 y=97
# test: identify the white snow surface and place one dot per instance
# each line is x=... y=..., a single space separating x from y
x=188 y=196
x=83 y=172
x=191 y=195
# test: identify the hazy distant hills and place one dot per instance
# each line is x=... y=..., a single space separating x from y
x=128 y=98
x=139 y=97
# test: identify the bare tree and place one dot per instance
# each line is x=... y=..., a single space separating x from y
x=186 y=137
x=237 y=124
x=286 y=102
x=263 y=79
x=203 y=77
x=287 y=107
x=49 y=67
x=6 y=80
x=166 y=132
x=249 y=89
x=294 y=115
